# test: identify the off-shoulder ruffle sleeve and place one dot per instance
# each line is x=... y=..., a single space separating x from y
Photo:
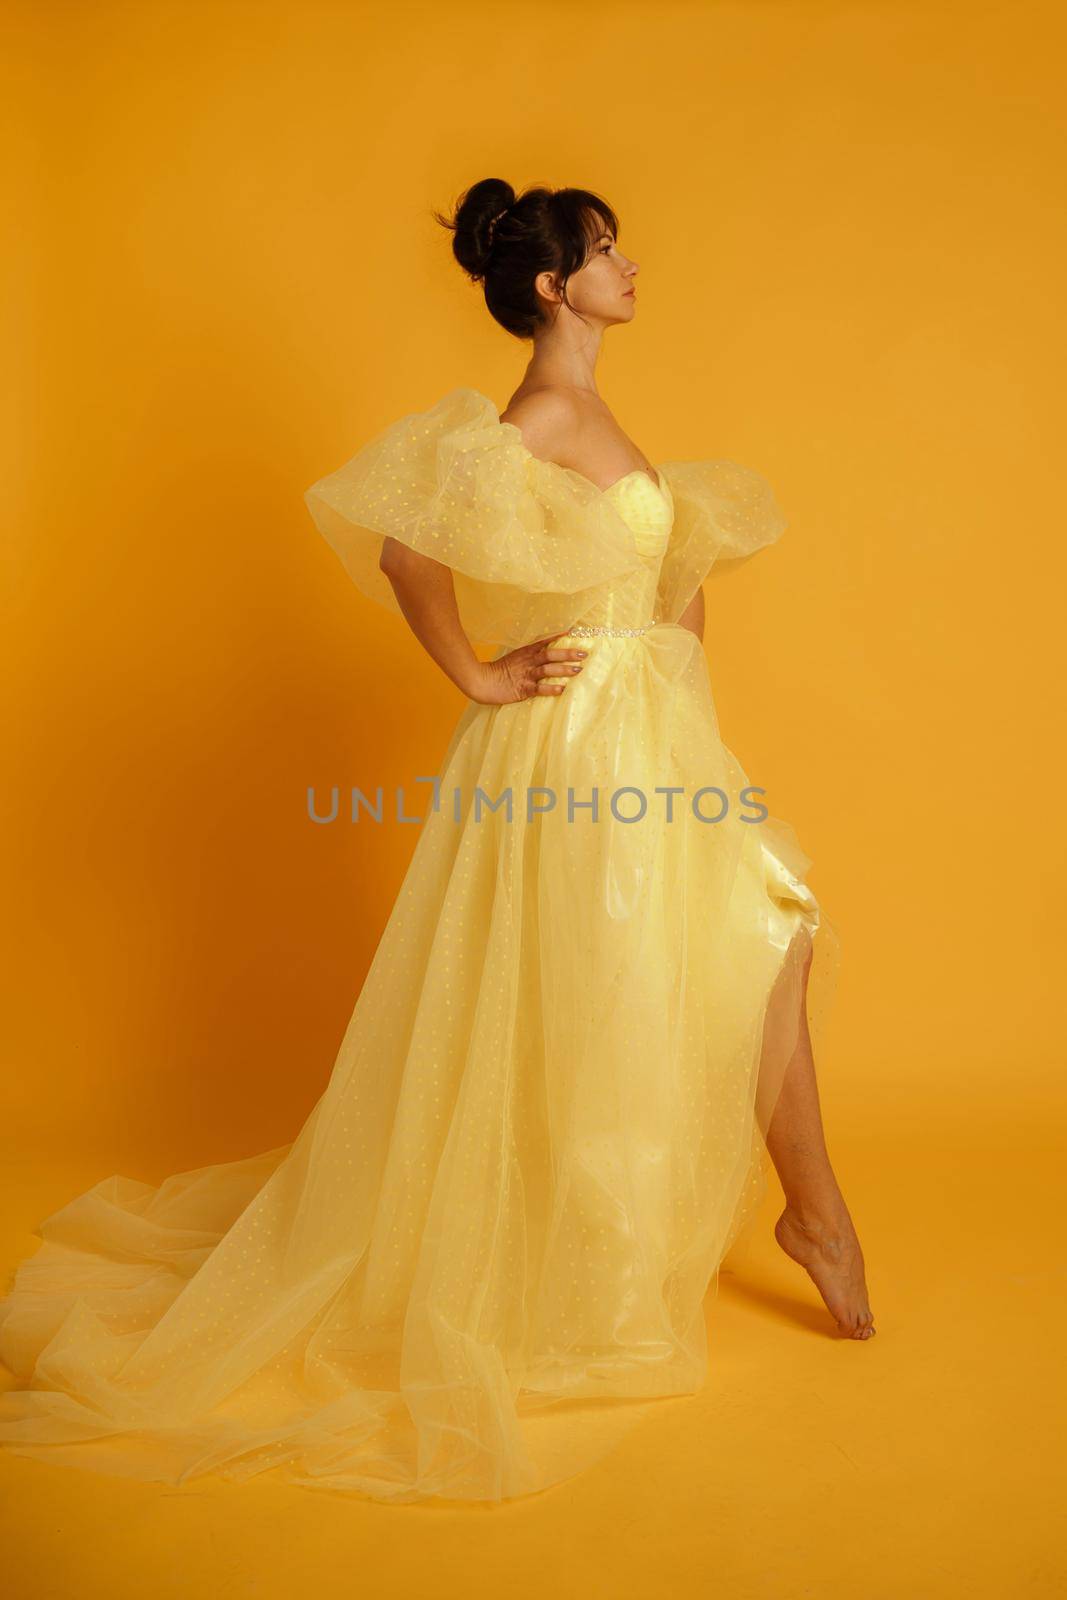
x=529 y=544
x=723 y=513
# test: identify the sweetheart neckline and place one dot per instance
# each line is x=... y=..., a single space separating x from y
x=635 y=472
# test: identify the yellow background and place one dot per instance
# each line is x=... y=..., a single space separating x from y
x=849 y=220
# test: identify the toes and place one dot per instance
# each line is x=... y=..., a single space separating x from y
x=856 y=1327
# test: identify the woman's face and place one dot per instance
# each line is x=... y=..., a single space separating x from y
x=603 y=289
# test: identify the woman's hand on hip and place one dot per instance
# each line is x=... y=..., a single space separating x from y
x=527 y=671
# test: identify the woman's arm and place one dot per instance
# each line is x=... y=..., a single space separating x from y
x=425 y=594
x=693 y=615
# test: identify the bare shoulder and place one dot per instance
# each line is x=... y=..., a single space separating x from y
x=547 y=418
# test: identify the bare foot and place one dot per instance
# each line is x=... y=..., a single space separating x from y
x=829 y=1251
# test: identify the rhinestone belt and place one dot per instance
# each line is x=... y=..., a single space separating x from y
x=584 y=630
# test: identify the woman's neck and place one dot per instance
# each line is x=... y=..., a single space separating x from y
x=565 y=355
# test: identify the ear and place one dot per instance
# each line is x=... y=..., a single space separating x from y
x=547 y=285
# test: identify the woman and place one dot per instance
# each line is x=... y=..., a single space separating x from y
x=584 y=1021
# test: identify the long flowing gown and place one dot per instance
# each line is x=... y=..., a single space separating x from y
x=486 y=1254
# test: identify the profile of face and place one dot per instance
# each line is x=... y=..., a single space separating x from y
x=603 y=290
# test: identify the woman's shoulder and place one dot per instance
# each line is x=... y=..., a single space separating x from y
x=546 y=417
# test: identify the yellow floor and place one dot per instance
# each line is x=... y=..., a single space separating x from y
x=920 y=1463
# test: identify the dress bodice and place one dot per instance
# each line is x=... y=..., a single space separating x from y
x=647 y=508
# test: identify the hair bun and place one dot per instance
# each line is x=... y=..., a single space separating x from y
x=474 y=223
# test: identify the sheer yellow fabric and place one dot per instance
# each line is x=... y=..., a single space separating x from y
x=532 y=546
x=486 y=1253
x=723 y=513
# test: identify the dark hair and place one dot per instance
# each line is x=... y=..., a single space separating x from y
x=503 y=241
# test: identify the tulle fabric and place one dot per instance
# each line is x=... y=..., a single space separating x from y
x=486 y=1254
x=532 y=546
x=723 y=514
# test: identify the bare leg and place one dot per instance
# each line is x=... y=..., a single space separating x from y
x=815 y=1229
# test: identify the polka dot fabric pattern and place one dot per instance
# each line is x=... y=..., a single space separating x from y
x=545 y=1123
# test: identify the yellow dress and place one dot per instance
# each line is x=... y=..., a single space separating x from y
x=544 y=1126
